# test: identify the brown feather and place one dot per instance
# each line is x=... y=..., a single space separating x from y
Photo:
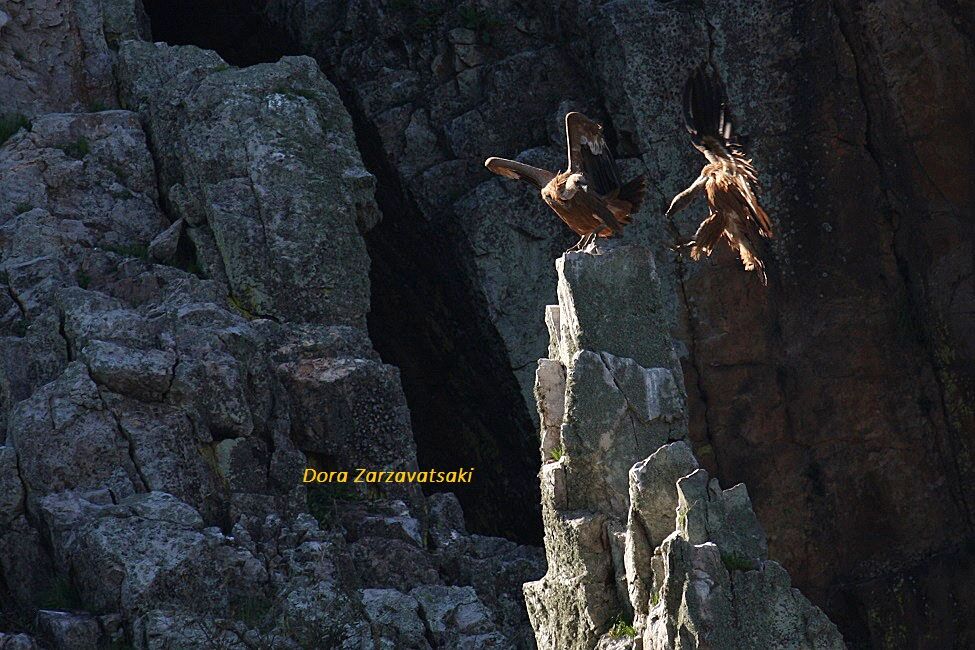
x=707 y=235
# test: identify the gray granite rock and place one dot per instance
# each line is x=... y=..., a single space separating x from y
x=642 y=551
x=652 y=516
x=703 y=604
x=68 y=631
x=11 y=487
x=353 y=409
x=611 y=302
x=654 y=492
x=146 y=374
x=396 y=618
x=616 y=413
x=56 y=56
x=706 y=513
x=550 y=395
x=66 y=439
x=163 y=247
x=92 y=168
x=156 y=410
x=268 y=165
x=152 y=549
x=456 y=618
x=28 y=570
x=18 y=642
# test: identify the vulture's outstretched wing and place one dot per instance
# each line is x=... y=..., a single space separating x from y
x=590 y=154
x=708 y=119
x=706 y=114
x=520 y=171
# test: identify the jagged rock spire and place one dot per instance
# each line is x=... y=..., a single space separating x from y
x=644 y=551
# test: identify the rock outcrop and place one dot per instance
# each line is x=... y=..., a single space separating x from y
x=644 y=550
x=182 y=332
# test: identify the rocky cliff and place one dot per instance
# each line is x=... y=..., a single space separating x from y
x=215 y=274
x=183 y=332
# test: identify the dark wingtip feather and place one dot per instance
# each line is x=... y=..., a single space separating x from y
x=706 y=107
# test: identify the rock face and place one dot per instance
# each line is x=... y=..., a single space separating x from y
x=182 y=332
x=860 y=354
x=54 y=54
x=680 y=563
x=250 y=158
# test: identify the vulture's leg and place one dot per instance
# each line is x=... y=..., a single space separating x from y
x=590 y=240
x=579 y=245
x=680 y=247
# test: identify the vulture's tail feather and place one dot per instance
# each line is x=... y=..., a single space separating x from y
x=634 y=191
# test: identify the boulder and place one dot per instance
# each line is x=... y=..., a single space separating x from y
x=616 y=413
x=706 y=513
x=11 y=487
x=56 y=57
x=67 y=439
x=611 y=302
x=652 y=516
x=68 y=631
x=703 y=604
x=456 y=618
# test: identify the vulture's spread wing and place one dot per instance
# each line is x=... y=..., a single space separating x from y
x=706 y=114
x=520 y=171
x=589 y=154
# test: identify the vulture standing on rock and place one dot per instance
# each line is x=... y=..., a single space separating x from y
x=728 y=180
x=588 y=196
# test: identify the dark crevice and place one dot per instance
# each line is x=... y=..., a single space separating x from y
x=17 y=301
x=62 y=331
x=427 y=318
x=234 y=30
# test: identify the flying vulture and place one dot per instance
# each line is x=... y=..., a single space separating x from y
x=728 y=180
x=589 y=196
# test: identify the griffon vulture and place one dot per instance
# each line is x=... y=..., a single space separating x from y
x=728 y=180
x=589 y=196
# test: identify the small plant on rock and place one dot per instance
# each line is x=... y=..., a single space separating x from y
x=77 y=149
x=621 y=628
x=557 y=453
x=734 y=562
